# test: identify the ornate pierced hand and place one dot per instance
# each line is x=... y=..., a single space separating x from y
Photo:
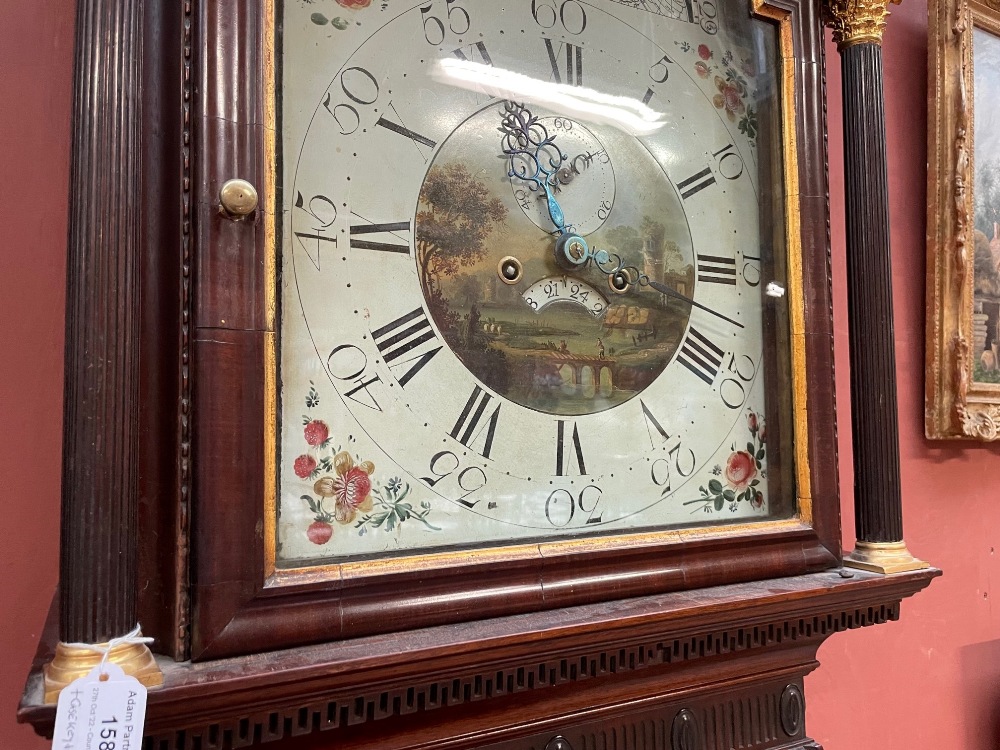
x=533 y=156
x=534 y=159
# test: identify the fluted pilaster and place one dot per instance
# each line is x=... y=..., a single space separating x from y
x=98 y=565
x=877 y=498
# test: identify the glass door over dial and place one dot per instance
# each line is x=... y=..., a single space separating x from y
x=533 y=268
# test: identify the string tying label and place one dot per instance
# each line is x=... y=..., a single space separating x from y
x=105 y=709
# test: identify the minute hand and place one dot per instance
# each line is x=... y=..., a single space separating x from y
x=677 y=295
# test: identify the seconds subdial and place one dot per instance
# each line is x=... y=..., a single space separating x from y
x=585 y=185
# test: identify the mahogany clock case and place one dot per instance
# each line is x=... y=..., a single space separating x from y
x=209 y=586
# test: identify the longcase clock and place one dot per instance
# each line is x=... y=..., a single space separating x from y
x=475 y=387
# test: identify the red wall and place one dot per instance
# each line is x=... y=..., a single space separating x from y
x=929 y=681
x=36 y=95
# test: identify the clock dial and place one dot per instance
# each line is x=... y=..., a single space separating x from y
x=523 y=253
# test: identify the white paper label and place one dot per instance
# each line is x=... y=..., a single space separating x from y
x=96 y=714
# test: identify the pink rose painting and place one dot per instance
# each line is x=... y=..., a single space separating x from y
x=742 y=475
x=740 y=470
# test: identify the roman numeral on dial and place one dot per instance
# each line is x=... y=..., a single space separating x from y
x=398 y=126
x=405 y=336
x=475 y=53
x=700 y=355
x=574 y=62
x=696 y=183
x=414 y=136
x=470 y=424
x=653 y=426
x=470 y=52
x=728 y=164
x=360 y=232
x=567 y=448
x=716 y=269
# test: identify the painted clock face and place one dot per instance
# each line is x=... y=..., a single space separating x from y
x=524 y=253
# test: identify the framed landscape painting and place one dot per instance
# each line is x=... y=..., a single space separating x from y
x=963 y=221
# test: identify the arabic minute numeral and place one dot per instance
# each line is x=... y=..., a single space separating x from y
x=469 y=480
x=658 y=73
x=358 y=85
x=732 y=390
x=569 y=13
x=434 y=28
x=323 y=213
x=348 y=363
x=751 y=270
x=680 y=459
x=728 y=164
x=708 y=15
x=561 y=506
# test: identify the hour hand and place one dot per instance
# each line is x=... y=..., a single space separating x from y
x=664 y=289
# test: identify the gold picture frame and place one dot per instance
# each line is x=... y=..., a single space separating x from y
x=962 y=398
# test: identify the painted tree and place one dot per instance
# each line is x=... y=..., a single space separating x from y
x=987 y=280
x=468 y=288
x=626 y=240
x=457 y=214
x=654 y=231
x=987 y=196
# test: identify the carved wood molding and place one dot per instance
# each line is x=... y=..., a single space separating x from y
x=955 y=404
x=568 y=662
x=182 y=562
x=750 y=720
x=500 y=681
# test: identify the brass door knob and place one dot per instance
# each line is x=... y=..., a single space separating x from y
x=239 y=199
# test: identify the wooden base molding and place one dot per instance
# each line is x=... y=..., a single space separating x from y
x=72 y=662
x=629 y=667
x=883 y=557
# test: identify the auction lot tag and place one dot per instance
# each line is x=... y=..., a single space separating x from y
x=96 y=714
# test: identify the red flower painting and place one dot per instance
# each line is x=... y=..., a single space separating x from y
x=348 y=485
x=316 y=433
x=740 y=470
x=729 y=98
x=304 y=466
x=742 y=475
